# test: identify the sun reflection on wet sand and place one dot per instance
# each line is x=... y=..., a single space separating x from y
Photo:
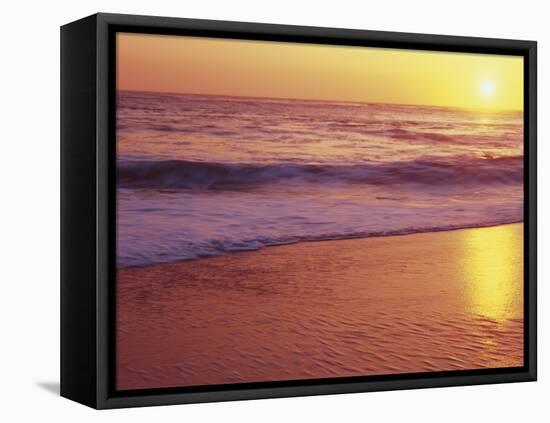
x=493 y=264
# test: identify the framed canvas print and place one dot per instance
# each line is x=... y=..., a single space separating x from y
x=254 y=211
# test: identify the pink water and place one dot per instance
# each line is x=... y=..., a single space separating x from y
x=203 y=176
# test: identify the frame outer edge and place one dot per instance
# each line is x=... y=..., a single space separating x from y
x=78 y=241
x=103 y=178
x=103 y=267
x=532 y=201
x=163 y=22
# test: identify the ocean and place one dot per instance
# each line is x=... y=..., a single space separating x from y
x=201 y=175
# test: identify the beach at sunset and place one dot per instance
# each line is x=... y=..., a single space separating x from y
x=414 y=303
x=292 y=211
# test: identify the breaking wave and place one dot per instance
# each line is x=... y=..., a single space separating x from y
x=212 y=175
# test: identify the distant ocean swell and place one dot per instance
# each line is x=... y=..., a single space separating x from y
x=425 y=134
x=212 y=175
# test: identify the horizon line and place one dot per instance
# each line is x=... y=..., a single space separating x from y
x=324 y=100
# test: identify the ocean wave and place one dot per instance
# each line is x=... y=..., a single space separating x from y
x=453 y=171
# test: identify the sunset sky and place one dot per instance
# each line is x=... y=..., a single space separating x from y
x=197 y=65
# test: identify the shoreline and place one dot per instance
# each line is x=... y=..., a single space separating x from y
x=308 y=241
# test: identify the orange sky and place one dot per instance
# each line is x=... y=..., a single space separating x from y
x=310 y=71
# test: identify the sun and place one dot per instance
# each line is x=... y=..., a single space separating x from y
x=487 y=88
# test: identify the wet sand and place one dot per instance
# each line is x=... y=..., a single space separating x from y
x=413 y=303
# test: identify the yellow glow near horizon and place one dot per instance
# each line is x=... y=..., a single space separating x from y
x=198 y=65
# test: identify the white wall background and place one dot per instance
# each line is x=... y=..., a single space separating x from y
x=29 y=170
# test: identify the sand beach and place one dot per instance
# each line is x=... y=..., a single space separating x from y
x=436 y=301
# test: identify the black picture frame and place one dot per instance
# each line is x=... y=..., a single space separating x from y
x=88 y=198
